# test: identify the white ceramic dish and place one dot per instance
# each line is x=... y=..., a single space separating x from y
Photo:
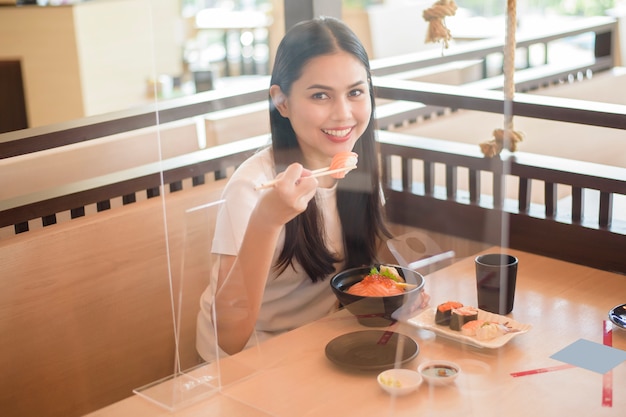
x=426 y=320
x=399 y=381
x=438 y=372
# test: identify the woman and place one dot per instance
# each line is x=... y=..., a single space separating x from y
x=279 y=246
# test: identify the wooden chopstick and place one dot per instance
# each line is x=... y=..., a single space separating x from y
x=317 y=173
x=332 y=171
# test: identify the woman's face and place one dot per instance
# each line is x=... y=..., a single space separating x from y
x=329 y=106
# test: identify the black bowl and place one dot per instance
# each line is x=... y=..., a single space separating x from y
x=376 y=311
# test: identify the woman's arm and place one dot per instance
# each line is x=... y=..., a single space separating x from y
x=242 y=278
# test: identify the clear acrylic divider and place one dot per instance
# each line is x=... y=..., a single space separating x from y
x=193 y=378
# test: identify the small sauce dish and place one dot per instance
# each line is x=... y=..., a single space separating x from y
x=439 y=372
x=399 y=381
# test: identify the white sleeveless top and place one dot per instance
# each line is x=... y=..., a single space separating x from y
x=291 y=299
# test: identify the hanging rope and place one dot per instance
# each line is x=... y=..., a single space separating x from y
x=502 y=139
x=506 y=138
x=437 y=30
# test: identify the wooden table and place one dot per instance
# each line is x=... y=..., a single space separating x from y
x=290 y=375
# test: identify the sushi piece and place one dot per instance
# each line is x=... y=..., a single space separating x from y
x=462 y=315
x=484 y=330
x=469 y=328
x=343 y=160
x=444 y=311
x=488 y=331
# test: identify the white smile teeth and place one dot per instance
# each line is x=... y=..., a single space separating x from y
x=339 y=133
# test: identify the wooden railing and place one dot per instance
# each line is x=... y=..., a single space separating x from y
x=453 y=200
x=27 y=141
x=604 y=30
x=199 y=167
x=530 y=77
x=540 y=107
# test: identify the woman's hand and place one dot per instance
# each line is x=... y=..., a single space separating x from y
x=289 y=197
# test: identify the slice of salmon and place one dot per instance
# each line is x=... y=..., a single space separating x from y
x=343 y=160
x=375 y=286
x=469 y=328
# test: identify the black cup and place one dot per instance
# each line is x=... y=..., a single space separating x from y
x=496 y=274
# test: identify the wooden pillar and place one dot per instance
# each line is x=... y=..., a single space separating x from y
x=12 y=100
x=297 y=11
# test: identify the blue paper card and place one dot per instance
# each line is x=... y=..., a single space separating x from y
x=590 y=355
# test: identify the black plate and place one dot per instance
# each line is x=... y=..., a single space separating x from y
x=618 y=316
x=370 y=350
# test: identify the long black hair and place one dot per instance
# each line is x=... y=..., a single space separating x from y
x=358 y=194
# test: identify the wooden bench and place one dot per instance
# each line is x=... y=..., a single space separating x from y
x=87 y=309
x=89 y=300
x=90 y=303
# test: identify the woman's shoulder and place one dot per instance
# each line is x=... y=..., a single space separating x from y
x=255 y=170
x=258 y=167
x=262 y=154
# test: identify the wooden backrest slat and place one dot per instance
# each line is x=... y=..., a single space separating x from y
x=550 y=199
x=578 y=199
x=605 y=212
x=407 y=172
x=524 y=192
x=498 y=190
x=451 y=182
x=474 y=186
x=429 y=178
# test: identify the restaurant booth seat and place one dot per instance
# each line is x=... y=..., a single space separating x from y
x=87 y=313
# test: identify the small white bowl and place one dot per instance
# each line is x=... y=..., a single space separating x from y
x=399 y=381
x=438 y=372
